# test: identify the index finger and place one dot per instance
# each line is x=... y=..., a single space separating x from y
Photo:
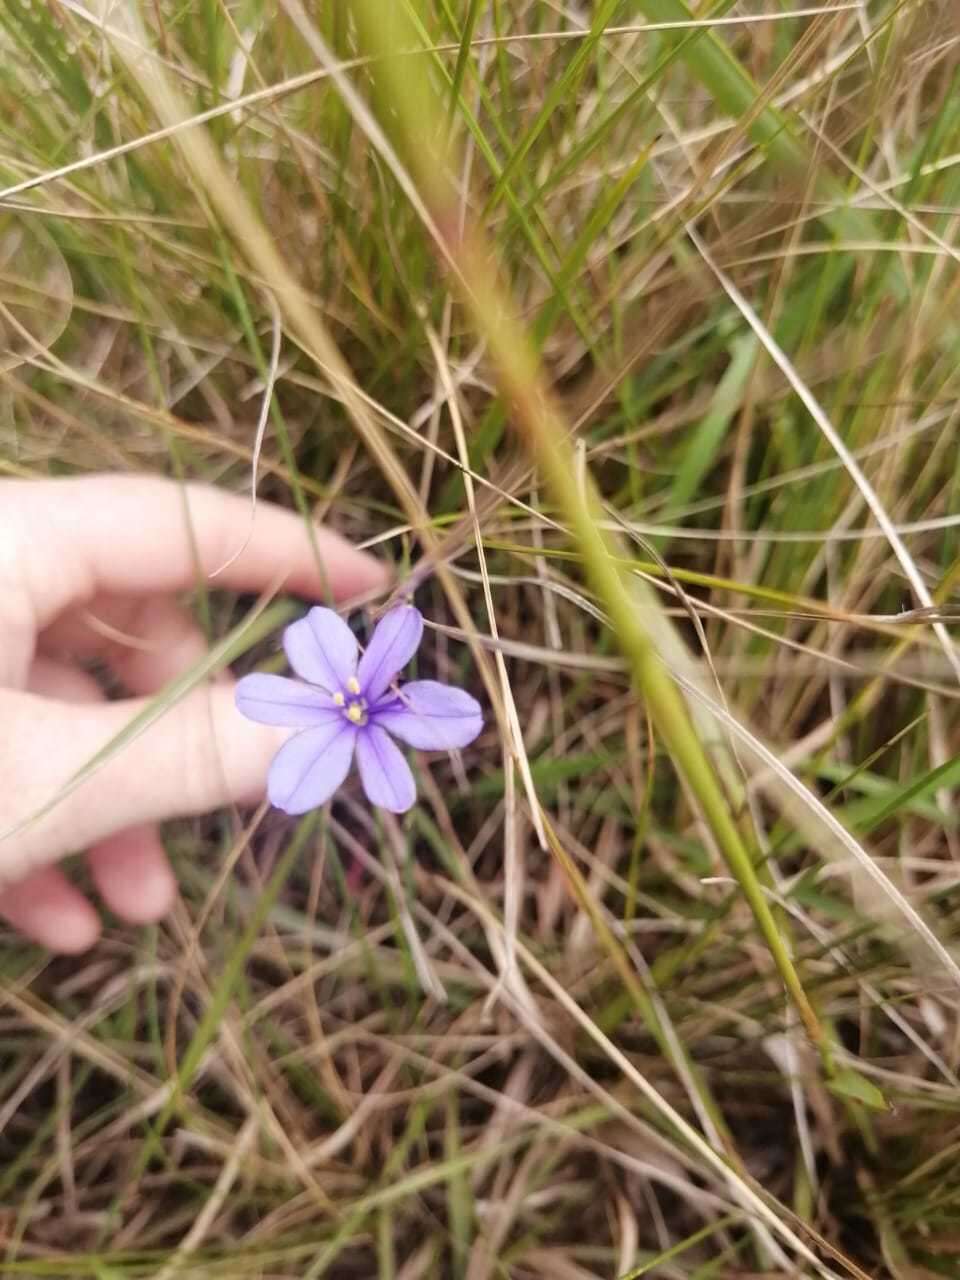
x=140 y=535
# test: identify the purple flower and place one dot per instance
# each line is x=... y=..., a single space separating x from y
x=346 y=706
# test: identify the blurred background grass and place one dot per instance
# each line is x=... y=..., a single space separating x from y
x=533 y=1030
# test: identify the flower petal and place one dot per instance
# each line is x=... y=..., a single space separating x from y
x=385 y=775
x=321 y=648
x=307 y=770
x=392 y=645
x=277 y=700
x=431 y=716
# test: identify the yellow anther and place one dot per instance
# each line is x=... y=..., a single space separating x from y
x=356 y=713
x=353 y=684
x=339 y=699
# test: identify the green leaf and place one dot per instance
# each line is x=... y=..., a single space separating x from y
x=848 y=1083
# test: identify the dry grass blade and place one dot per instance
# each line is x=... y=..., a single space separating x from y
x=870 y=497
x=517 y=752
x=811 y=815
x=271 y=378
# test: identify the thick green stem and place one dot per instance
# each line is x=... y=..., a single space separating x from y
x=422 y=142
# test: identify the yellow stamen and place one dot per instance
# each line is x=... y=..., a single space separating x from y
x=356 y=713
x=353 y=684
x=339 y=699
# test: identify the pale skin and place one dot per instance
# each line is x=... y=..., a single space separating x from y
x=90 y=568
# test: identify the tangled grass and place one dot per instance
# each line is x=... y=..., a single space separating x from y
x=629 y=334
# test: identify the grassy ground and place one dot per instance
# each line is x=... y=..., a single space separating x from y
x=658 y=979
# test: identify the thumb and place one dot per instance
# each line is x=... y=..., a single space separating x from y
x=199 y=755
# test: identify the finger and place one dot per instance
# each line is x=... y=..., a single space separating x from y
x=145 y=641
x=55 y=679
x=200 y=755
x=130 y=869
x=131 y=534
x=46 y=908
x=133 y=876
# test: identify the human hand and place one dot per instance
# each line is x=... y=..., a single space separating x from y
x=88 y=570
